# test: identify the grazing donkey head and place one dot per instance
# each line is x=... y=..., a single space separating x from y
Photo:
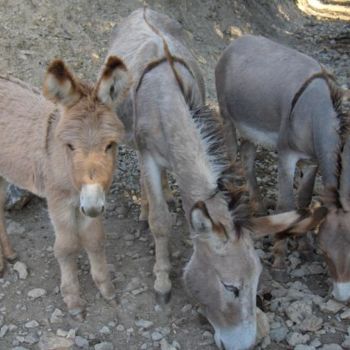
x=224 y=270
x=334 y=233
x=88 y=130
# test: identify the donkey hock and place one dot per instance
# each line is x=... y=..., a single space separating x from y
x=282 y=99
x=173 y=131
x=69 y=160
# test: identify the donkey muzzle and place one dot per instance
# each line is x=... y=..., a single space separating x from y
x=92 y=200
x=238 y=338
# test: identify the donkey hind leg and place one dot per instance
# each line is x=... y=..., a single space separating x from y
x=7 y=249
x=160 y=225
x=66 y=248
x=305 y=190
x=248 y=152
x=306 y=185
x=286 y=169
x=230 y=136
x=92 y=238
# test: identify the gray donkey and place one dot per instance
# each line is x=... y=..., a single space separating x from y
x=282 y=99
x=172 y=130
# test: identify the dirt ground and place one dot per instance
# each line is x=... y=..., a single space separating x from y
x=33 y=32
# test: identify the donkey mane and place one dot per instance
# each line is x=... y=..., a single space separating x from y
x=229 y=174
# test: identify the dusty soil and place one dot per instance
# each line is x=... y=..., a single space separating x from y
x=35 y=31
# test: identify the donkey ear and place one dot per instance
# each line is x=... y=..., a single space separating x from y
x=294 y=222
x=200 y=219
x=114 y=83
x=59 y=85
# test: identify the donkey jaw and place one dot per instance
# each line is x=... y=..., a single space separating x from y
x=241 y=337
x=341 y=291
x=92 y=200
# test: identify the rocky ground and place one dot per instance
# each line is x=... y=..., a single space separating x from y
x=32 y=314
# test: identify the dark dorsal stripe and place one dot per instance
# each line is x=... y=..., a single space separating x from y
x=327 y=77
x=168 y=57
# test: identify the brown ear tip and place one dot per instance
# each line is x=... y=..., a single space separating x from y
x=199 y=205
x=57 y=68
x=114 y=62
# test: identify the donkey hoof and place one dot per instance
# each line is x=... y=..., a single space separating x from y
x=12 y=257
x=163 y=298
x=279 y=275
x=77 y=314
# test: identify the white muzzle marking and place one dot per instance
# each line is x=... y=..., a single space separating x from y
x=341 y=291
x=238 y=338
x=92 y=200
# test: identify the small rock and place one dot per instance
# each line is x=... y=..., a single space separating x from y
x=186 y=308
x=331 y=306
x=53 y=342
x=295 y=338
x=145 y=324
x=56 y=316
x=81 y=342
x=299 y=310
x=311 y=324
x=120 y=328
x=156 y=336
x=31 y=338
x=105 y=330
x=278 y=334
x=3 y=330
x=164 y=345
x=331 y=347
x=345 y=315
x=31 y=324
x=19 y=348
x=104 y=346
x=346 y=343
x=21 y=269
x=36 y=293
x=263 y=326
x=304 y=347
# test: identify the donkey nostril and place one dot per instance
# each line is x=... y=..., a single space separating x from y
x=83 y=210
x=222 y=345
x=102 y=209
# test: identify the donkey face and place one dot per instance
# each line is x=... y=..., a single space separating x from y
x=334 y=241
x=224 y=270
x=88 y=130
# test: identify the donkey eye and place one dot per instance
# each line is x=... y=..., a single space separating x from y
x=70 y=146
x=109 y=146
x=232 y=289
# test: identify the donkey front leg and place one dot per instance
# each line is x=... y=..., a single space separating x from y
x=66 y=248
x=92 y=237
x=160 y=225
x=6 y=250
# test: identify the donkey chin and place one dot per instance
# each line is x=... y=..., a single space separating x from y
x=92 y=200
x=237 y=338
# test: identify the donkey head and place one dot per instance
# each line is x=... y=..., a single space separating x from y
x=223 y=272
x=334 y=233
x=88 y=130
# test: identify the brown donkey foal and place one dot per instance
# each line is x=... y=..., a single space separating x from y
x=67 y=155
